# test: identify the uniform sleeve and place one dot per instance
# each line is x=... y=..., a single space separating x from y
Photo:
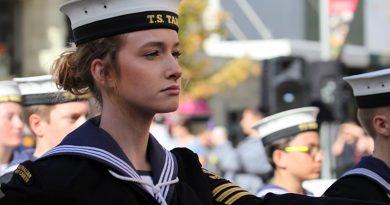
x=43 y=182
x=225 y=192
x=24 y=187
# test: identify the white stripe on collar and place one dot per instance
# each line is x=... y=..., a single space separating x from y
x=94 y=153
x=167 y=173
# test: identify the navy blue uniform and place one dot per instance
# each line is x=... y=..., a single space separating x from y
x=88 y=167
x=368 y=180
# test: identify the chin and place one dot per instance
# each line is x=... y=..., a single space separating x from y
x=315 y=176
x=169 y=108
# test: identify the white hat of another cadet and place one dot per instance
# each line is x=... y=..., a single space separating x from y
x=9 y=92
x=371 y=89
x=93 y=19
x=41 y=90
x=287 y=123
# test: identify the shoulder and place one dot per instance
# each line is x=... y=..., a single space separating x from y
x=54 y=175
x=357 y=187
x=185 y=153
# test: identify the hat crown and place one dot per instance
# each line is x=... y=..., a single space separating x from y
x=37 y=85
x=286 y=119
x=93 y=19
x=82 y=12
x=371 y=89
x=370 y=83
x=9 y=91
x=41 y=90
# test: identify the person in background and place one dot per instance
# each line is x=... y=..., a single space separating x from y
x=222 y=157
x=11 y=123
x=292 y=145
x=370 y=178
x=254 y=168
x=184 y=136
x=161 y=132
x=350 y=145
x=50 y=114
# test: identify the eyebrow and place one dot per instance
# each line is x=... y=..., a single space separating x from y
x=158 y=44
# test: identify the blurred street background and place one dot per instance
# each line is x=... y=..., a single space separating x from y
x=237 y=54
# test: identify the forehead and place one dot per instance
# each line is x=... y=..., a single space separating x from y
x=139 y=38
x=8 y=107
x=71 y=106
x=304 y=138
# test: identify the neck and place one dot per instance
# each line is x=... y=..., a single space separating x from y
x=382 y=150
x=288 y=182
x=130 y=129
x=41 y=148
x=5 y=155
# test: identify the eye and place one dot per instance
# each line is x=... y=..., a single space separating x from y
x=152 y=55
x=176 y=54
x=73 y=118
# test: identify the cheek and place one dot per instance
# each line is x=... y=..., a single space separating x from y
x=5 y=126
x=299 y=161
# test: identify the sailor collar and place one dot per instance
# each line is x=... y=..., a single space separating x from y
x=374 y=169
x=94 y=143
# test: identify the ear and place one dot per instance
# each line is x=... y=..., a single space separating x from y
x=36 y=124
x=280 y=159
x=101 y=74
x=381 y=125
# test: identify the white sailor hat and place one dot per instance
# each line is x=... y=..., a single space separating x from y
x=9 y=92
x=93 y=19
x=287 y=123
x=371 y=89
x=41 y=90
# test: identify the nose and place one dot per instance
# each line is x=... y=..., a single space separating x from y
x=319 y=156
x=18 y=122
x=175 y=71
x=81 y=120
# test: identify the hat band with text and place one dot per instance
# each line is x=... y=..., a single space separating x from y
x=124 y=24
x=371 y=101
x=11 y=98
x=290 y=131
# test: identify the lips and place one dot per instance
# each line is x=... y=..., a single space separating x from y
x=172 y=90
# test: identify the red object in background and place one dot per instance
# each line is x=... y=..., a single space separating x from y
x=194 y=108
x=338 y=7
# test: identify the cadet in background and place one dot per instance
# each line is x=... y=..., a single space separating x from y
x=292 y=145
x=11 y=124
x=50 y=114
x=370 y=178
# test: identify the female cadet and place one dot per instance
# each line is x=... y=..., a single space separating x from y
x=127 y=56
